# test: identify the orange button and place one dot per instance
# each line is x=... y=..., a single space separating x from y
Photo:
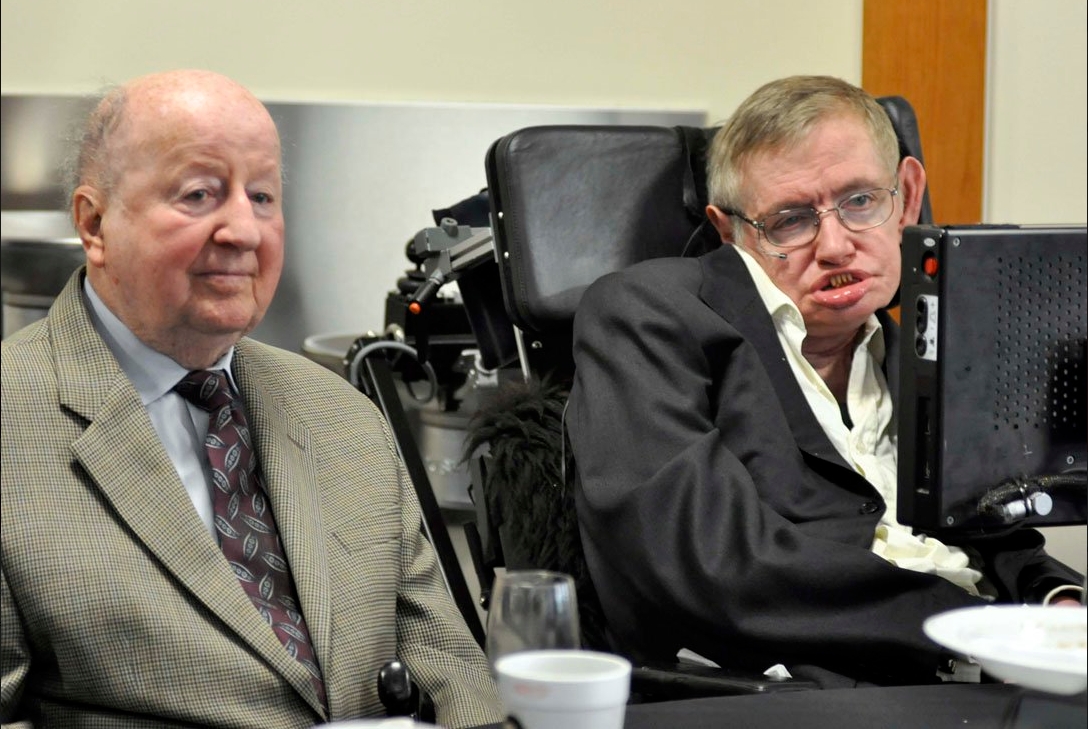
x=929 y=265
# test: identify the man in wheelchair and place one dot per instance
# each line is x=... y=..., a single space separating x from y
x=733 y=424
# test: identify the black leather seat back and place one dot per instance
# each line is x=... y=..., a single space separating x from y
x=905 y=122
x=571 y=203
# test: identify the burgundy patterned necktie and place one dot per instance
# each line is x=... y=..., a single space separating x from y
x=243 y=517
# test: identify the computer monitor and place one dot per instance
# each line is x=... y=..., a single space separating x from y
x=993 y=428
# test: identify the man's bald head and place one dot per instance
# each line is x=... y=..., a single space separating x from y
x=142 y=104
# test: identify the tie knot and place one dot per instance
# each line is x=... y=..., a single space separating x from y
x=207 y=389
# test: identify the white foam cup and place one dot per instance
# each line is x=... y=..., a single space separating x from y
x=564 y=689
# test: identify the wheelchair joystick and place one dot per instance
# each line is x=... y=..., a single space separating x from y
x=401 y=695
x=398 y=694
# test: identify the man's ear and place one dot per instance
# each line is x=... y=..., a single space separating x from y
x=88 y=206
x=912 y=186
x=722 y=222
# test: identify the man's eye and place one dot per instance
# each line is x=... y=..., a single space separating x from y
x=861 y=201
x=790 y=221
x=197 y=195
x=262 y=198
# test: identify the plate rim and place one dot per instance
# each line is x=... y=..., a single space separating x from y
x=936 y=629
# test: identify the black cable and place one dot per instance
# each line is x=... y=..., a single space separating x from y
x=996 y=501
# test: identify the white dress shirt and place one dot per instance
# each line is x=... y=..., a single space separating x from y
x=181 y=426
x=870 y=446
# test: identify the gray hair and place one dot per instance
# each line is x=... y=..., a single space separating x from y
x=89 y=160
x=782 y=113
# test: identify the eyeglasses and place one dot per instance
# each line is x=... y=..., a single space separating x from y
x=796 y=227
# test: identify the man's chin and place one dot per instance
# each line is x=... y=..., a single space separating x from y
x=839 y=322
x=225 y=329
x=221 y=318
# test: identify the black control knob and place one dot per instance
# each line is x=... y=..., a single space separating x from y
x=396 y=690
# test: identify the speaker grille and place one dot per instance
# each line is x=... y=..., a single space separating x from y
x=1041 y=345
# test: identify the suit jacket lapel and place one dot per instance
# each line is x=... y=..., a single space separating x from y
x=729 y=290
x=151 y=500
x=288 y=469
x=124 y=458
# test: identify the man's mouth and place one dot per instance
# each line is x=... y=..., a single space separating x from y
x=839 y=280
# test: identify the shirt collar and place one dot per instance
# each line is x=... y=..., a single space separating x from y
x=777 y=303
x=152 y=373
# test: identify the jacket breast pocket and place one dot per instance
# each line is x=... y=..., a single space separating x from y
x=378 y=531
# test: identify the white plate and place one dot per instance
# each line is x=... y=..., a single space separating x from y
x=1044 y=648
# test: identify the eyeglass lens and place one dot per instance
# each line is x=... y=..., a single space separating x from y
x=858 y=212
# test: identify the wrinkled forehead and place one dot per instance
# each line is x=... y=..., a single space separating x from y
x=162 y=117
x=832 y=161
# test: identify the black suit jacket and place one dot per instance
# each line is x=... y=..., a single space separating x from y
x=716 y=514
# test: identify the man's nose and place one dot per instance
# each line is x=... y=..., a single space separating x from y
x=834 y=242
x=239 y=225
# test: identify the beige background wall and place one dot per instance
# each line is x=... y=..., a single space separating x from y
x=682 y=54
x=1036 y=167
x=677 y=54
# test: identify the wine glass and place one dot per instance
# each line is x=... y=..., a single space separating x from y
x=532 y=610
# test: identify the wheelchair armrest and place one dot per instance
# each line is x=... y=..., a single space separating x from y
x=664 y=681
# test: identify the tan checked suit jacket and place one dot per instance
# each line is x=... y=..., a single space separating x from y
x=117 y=607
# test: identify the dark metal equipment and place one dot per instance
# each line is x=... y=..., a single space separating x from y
x=993 y=429
x=434 y=339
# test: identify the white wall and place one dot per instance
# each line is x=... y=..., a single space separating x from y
x=679 y=54
x=1037 y=117
x=642 y=53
